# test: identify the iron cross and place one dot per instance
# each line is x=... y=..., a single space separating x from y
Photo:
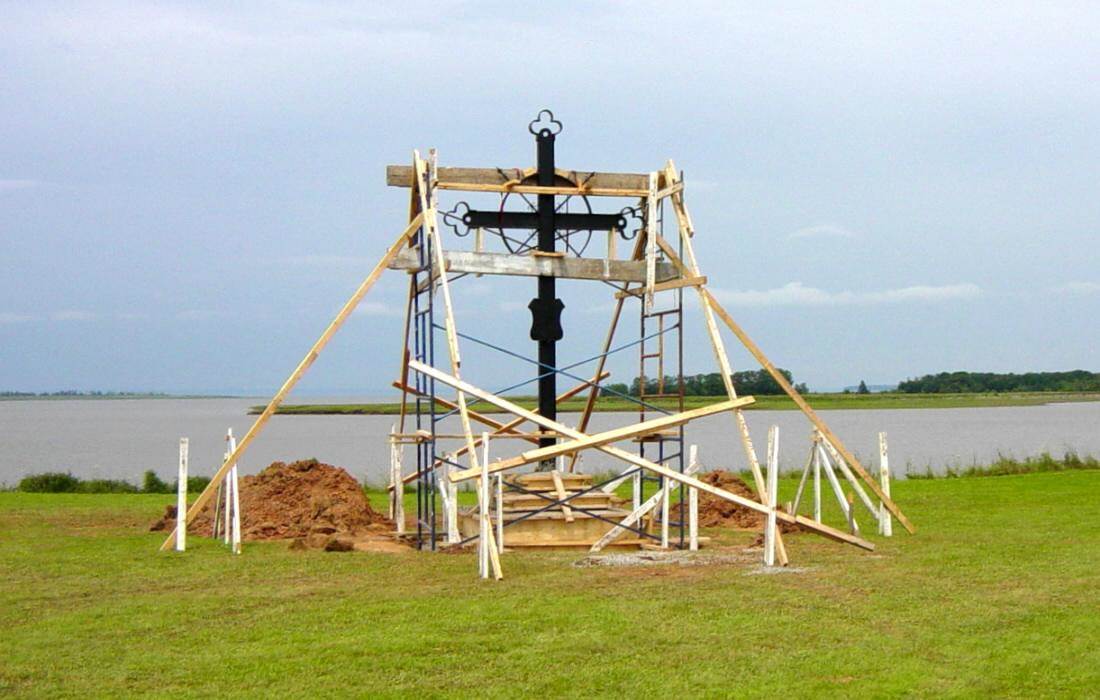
x=546 y=308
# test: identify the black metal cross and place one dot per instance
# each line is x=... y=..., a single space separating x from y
x=545 y=308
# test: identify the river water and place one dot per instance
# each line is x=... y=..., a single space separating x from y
x=122 y=438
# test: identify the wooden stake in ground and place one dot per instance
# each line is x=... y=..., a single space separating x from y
x=885 y=524
x=181 y=496
x=773 y=486
x=693 y=501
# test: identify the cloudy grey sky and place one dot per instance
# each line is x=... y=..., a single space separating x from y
x=189 y=192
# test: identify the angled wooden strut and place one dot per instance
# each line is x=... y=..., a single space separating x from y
x=664 y=471
x=604 y=438
x=509 y=428
x=326 y=336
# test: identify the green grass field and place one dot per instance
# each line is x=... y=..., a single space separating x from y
x=996 y=595
x=820 y=401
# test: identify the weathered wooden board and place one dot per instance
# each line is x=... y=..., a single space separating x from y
x=634 y=184
x=540 y=266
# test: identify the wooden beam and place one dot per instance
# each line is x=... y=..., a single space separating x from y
x=559 y=489
x=465 y=387
x=307 y=361
x=604 y=438
x=496 y=180
x=459 y=261
x=664 y=286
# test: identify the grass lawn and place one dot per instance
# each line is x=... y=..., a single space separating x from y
x=775 y=403
x=998 y=595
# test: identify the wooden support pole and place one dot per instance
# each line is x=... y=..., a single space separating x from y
x=559 y=489
x=851 y=479
x=235 y=489
x=181 y=496
x=299 y=371
x=665 y=491
x=500 y=513
x=817 y=481
x=838 y=491
x=397 y=488
x=773 y=486
x=802 y=481
x=885 y=524
x=631 y=458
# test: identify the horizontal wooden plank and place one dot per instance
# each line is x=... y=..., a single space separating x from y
x=481 y=179
x=539 y=266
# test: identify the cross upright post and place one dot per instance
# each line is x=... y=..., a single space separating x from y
x=546 y=305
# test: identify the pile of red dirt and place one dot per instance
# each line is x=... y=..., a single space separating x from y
x=319 y=505
x=718 y=512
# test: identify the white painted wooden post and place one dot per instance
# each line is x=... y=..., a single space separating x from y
x=666 y=489
x=773 y=486
x=181 y=497
x=397 y=482
x=483 y=484
x=450 y=503
x=636 y=483
x=234 y=487
x=227 y=522
x=817 y=481
x=885 y=520
x=693 y=503
x=838 y=491
x=500 y=513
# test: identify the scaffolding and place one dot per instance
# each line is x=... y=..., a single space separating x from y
x=656 y=275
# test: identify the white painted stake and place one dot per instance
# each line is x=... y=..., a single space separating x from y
x=664 y=513
x=181 y=498
x=849 y=517
x=234 y=487
x=636 y=500
x=483 y=539
x=693 y=503
x=500 y=513
x=885 y=520
x=397 y=493
x=773 y=486
x=817 y=482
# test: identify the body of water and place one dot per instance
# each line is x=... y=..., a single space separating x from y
x=120 y=439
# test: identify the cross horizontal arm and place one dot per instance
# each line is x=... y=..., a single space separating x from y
x=530 y=220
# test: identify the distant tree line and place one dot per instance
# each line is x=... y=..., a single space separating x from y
x=981 y=382
x=751 y=382
x=74 y=392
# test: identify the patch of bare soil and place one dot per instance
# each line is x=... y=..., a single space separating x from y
x=718 y=512
x=317 y=505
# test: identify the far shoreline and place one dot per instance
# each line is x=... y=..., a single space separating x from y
x=825 y=402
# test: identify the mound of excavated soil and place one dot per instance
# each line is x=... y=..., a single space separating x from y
x=319 y=505
x=718 y=512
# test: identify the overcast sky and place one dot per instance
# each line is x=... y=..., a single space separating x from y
x=188 y=193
